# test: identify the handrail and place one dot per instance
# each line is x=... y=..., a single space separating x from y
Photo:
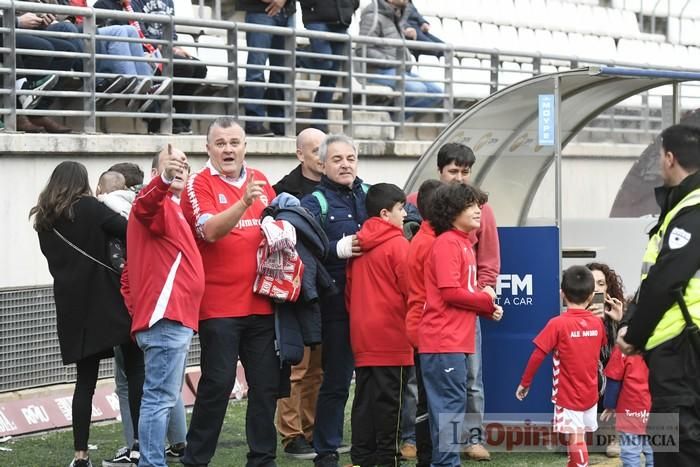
x=223 y=54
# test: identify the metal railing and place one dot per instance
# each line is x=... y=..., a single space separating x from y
x=464 y=73
x=29 y=350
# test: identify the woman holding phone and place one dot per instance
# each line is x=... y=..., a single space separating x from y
x=608 y=304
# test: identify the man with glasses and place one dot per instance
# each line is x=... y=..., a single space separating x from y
x=223 y=204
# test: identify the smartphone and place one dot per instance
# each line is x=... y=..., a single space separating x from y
x=598 y=298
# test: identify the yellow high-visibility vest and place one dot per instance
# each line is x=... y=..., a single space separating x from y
x=672 y=322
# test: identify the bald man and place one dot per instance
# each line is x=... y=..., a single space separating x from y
x=296 y=413
x=162 y=285
x=304 y=178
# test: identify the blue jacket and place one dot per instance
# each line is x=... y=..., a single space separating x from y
x=346 y=214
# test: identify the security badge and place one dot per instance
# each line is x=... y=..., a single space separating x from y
x=678 y=238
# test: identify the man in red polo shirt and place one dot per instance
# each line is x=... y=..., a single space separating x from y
x=223 y=203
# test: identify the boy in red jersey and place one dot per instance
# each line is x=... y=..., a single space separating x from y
x=376 y=294
x=576 y=337
x=627 y=396
x=446 y=335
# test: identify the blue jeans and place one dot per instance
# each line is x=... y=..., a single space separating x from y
x=177 y=424
x=445 y=380
x=322 y=46
x=474 y=421
x=408 y=413
x=631 y=446
x=124 y=49
x=265 y=40
x=338 y=365
x=410 y=86
x=165 y=347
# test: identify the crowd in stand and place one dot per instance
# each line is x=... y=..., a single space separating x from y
x=143 y=82
x=334 y=277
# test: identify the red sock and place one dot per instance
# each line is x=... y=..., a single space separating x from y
x=578 y=455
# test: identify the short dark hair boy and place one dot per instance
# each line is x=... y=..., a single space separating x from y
x=383 y=196
x=461 y=154
x=577 y=284
x=425 y=196
x=133 y=175
x=684 y=142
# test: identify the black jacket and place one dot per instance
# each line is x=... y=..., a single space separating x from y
x=258 y=6
x=295 y=184
x=298 y=324
x=673 y=268
x=90 y=314
x=328 y=11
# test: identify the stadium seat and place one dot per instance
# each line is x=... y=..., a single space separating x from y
x=471 y=79
x=431 y=68
x=452 y=31
x=219 y=56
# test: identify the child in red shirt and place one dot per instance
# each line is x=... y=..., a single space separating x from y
x=576 y=337
x=452 y=300
x=375 y=295
x=627 y=396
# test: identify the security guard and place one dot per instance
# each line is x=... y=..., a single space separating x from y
x=669 y=290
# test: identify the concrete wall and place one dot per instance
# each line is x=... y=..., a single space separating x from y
x=27 y=161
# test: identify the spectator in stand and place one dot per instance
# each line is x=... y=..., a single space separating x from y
x=341 y=214
x=223 y=206
x=45 y=43
x=386 y=22
x=268 y=13
x=454 y=163
x=296 y=413
x=73 y=229
x=185 y=65
x=162 y=285
x=327 y=16
x=418 y=28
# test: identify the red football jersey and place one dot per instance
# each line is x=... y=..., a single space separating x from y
x=576 y=337
x=634 y=401
x=230 y=263
x=445 y=328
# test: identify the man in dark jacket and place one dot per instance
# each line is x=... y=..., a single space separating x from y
x=339 y=206
x=304 y=178
x=296 y=413
x=326 y=16
x=670 y=288
x=267 y=13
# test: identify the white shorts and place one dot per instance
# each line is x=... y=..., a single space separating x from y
x=575 y=421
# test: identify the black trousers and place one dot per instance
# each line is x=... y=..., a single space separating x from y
x=376 y=415
x=223 y=341
x=424 y=443
x=193 y=69
x=87 y=369
x=674 y=382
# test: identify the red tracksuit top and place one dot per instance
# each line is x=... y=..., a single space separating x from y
x=375 y=294
x=163 y=277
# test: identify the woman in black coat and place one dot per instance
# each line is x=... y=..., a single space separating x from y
x=74 y=228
